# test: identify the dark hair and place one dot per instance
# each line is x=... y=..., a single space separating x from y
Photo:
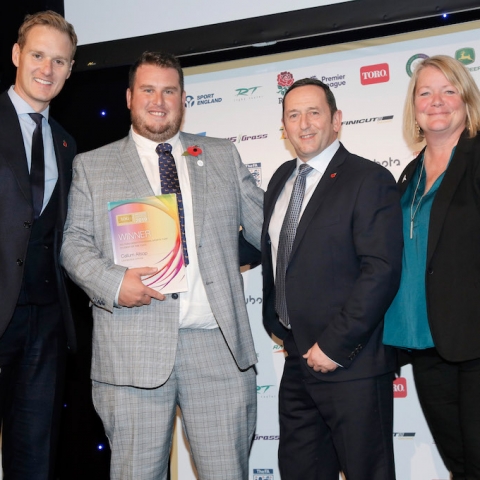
x=160 y=59
x=332 y=104
x=50 y=19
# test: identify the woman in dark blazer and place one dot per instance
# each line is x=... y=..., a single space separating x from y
x=435 y=316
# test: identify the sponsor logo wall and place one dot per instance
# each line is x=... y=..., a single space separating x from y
x=244 y=105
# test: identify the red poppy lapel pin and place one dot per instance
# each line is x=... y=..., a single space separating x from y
x=65 y=144
x=333 y=175
x=193 y=150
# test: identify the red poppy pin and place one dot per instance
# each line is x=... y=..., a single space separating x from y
x=193 y=151
x=333 y=175
x=65 y=144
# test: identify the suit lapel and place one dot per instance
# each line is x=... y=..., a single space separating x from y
x=132 y=170
x=328 y=180
x=12 y=146
x=407 y=174
x=64 y=172
x=443 y=197
x=275 y=188
x=197 y=173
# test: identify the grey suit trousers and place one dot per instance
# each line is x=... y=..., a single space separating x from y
x=218 y=403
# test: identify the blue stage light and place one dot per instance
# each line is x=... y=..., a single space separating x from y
x=103 y=113
x=100 y=446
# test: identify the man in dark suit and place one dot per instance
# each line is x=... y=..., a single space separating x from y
x=35 y=322
x=332 y=246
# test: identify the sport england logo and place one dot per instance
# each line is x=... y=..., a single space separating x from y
x=378 y=73
x=465 y=55
x=204 y=99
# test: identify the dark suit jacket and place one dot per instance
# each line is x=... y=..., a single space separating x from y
x=453 y=254
x=344 y=268
x=16 y=211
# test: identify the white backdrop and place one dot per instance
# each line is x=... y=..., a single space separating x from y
x=242 y=101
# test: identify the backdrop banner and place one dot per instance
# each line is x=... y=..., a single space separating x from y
x=241 y=101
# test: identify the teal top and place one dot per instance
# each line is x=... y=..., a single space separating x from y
x=406 y=321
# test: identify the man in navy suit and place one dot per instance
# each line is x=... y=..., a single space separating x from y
x=325 y=294
x=35 y=321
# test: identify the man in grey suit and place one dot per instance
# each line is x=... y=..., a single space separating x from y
x=152 y=352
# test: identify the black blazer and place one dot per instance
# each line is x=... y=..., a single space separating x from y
x=345 y=266
x=16 y=211
x=452 y=275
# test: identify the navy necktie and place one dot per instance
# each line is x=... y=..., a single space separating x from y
x=170 y=184
x=286 y=239
x=37 y=168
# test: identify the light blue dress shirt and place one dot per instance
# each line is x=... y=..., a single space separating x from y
x=28 y=126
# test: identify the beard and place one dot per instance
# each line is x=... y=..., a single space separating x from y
x=157 y=133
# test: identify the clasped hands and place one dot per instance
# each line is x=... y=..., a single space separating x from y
x=133 y=293
x=317 y=360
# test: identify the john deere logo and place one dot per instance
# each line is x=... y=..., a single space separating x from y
x=465 y=55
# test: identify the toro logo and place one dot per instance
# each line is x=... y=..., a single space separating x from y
x=374 y=74
x=400 y=388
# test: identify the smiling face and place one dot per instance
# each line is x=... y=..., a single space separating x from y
x=439 y=108
x=156 y=102
x=43 y=65
x=308 y=122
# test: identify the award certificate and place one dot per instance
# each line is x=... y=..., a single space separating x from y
x=146 y=233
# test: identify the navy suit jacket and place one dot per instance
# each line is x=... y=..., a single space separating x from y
x=344 y=268
x=16 y=210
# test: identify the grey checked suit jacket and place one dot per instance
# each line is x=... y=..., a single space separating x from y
x=137 y=346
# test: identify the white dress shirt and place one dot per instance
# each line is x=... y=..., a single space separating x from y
x=319 y=165
x=195 y=311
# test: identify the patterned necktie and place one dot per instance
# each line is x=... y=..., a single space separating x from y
x=170 y=184
x=285 y=242
x=37 y=169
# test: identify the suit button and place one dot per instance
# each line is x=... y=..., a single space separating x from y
x=19 y=262
x=45 y=247
x=27 y=224
x=430 y=270
x=174 y=296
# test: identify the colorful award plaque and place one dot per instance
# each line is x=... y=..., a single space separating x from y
x=146 y=233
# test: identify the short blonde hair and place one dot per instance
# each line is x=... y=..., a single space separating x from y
x=51 y=19
x=456 y=73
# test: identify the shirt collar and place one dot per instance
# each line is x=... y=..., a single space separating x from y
x=148 y=145
x=321 y=161
x=21 y=106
